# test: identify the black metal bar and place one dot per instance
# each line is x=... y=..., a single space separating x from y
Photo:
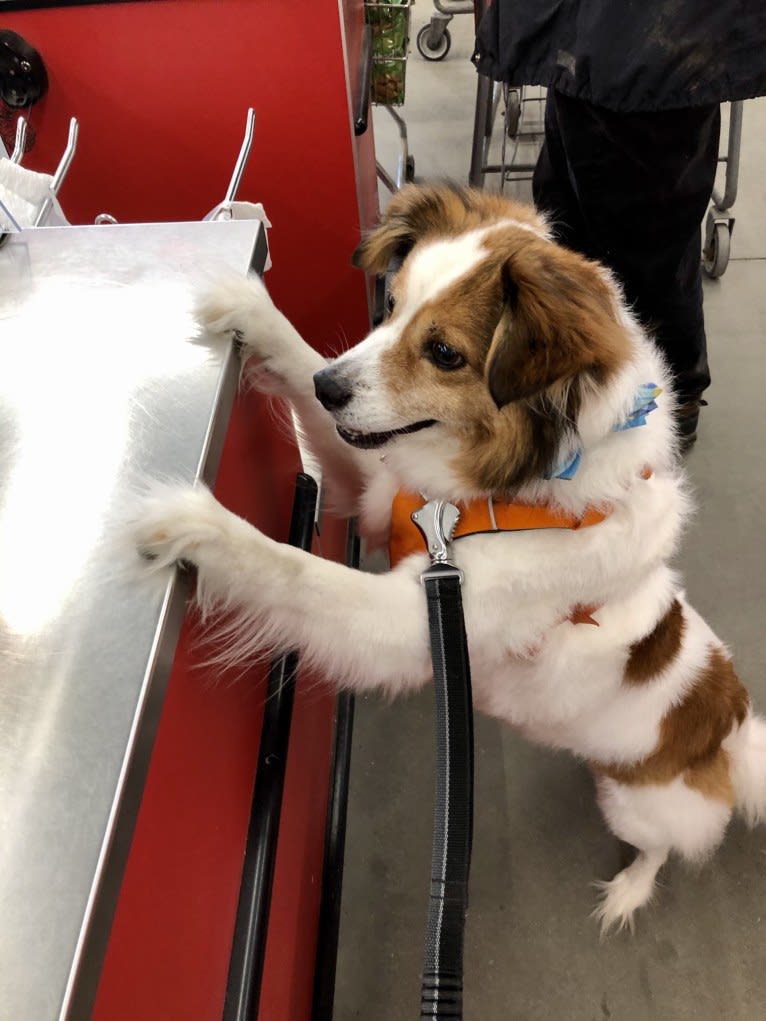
x=335 y=838
x=481 y=130
x=362 y=111
x=243 y=986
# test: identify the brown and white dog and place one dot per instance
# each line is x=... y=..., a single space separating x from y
x=509 y=372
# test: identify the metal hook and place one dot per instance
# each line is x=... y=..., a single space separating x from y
x=244 y=152
x=61 y=171
x=21 y=137
x=67 y=157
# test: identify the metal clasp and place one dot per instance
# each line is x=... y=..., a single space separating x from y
x=437 y=521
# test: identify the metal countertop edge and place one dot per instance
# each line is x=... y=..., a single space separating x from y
x=85 y=972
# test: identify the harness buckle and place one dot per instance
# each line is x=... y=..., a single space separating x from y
x=436 y=521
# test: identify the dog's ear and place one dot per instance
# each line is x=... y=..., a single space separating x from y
x=414 y=212
x=558 y=320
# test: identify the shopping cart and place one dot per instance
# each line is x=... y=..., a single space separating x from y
x=389 y=22
x=433 y=40
x=719 y=223
x=521 y=112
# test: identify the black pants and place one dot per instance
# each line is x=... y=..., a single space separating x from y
x=630 y=190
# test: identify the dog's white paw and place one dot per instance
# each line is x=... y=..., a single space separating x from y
x=617 y=906
x=173 y=522
x=241 y=306
x=630 y=890
x=235 y=304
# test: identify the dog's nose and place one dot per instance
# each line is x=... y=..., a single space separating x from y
x=331 y=391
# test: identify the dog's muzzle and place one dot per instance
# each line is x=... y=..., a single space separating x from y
x=334 y=392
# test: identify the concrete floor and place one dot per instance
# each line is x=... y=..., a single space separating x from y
x=532 y=950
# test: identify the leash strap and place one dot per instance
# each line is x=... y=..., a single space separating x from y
x=442 y=988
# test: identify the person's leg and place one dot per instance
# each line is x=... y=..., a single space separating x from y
x=631 y=191
x=552 y=189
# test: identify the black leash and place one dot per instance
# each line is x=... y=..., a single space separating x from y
x=442 y=987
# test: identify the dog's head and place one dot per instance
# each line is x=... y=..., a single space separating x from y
x=495 y=334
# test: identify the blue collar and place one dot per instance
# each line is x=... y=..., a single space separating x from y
x=643 y=403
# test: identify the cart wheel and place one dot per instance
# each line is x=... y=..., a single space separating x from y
x=409 y=172
x=715 y=254
x=425 y=51
x=513 y=113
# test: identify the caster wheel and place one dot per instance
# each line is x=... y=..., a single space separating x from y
x=513 y=113
x=425 y=51
x=715 y=254
x=409 y=173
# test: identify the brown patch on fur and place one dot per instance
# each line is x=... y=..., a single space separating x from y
x=691 y=735
x=657 y=650
x=463 y=316
x=559 y=320
x=424 y=212
x=523 y=444
x=713 y=779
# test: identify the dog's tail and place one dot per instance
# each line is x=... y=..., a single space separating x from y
x=747 y=748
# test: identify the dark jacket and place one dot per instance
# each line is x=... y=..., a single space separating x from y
x=628 y=55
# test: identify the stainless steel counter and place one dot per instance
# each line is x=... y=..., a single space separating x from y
x=101 y=384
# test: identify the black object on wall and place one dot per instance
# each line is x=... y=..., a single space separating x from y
x=23 y=78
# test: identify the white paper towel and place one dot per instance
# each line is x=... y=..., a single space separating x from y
x=23 y=192
x=243 y=211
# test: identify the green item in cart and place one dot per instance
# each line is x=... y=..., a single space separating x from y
x=389 y=29
x=390 y=38
x=388 y=82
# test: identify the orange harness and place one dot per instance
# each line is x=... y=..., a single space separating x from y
x=478 y=517
x=486 y=516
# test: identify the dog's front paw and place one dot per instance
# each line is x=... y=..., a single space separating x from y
x=235 y=304
x=241 y=306
x=173 y=522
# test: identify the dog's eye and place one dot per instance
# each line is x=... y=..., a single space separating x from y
x=390 y=303
x=444 y=356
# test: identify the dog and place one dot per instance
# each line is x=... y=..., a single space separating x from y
x=509 y=378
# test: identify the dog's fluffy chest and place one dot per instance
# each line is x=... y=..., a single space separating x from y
x=561 y=681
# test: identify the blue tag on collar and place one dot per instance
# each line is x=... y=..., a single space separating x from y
x=643 y=403
x=567 y=469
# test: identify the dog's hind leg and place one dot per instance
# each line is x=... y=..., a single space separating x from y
x=682 y=816
x=280 y=362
